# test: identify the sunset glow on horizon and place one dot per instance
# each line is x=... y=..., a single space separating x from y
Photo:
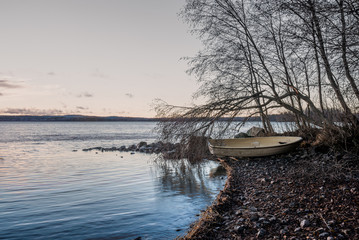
x=93 y=57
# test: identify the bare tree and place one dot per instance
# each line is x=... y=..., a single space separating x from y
x=262 y=57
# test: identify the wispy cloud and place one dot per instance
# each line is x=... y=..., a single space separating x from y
x=81 y=108
x=130 y=95
x=31 y=111
x=8 y=84
x=64 y=105
x=99 y=74
x=85 y=94
x=123 y=113
x=51 y=74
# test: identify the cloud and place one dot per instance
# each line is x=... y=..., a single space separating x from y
x=31 y=111
x=99 y=74
x=82 y=108
x=7 y=84
x=123 y=113
x=64 y=105
x=51 y=73
x=85 y=94
x=130 y=95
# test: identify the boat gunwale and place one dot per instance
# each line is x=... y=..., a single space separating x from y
x=251 y=148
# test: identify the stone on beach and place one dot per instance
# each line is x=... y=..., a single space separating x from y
x=283 y=197
x=256 y=132
x=241 y=135
x=304 y=223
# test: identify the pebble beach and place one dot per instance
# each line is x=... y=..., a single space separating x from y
x=307 y=194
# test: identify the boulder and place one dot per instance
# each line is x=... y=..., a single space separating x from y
x=132 y=147
x=142 y=149
x=141 y=144
x=256 y=132
x=241 y=135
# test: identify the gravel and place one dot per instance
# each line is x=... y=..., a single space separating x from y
x=285 y=197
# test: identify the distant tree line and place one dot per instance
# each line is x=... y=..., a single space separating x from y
x=69 y=118
x=262 y=57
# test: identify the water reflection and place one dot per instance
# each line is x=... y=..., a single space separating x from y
x=189 y=179
x=219 y=171
x=82 y=195
x=48 y=191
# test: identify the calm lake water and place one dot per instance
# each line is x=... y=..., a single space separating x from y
x=51 y=189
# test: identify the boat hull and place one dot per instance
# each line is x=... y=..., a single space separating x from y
x=253 y=147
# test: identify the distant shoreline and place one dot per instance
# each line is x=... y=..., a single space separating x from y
x=84 y=118
x=73 y=118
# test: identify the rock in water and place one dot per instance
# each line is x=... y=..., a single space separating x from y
x=141 y=144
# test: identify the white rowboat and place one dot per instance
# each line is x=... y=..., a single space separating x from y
x=253 y=147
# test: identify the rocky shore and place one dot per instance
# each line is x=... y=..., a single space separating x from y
x=308 y=194
x=167 y=149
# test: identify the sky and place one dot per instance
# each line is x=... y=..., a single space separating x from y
x=93 y=57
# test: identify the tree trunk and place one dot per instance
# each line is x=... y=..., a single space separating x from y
x=327 y=66
x=344 y=51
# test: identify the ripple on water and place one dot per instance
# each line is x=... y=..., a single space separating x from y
x=50 y=192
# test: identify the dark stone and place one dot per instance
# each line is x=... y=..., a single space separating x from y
x=324 y=235
x=241 y=135
x=304 y=223
x=132 y=148
x=254 y=217
x=273 y=219
x=240 y=229
x=321 y=149
x=262 y=219
x=142 y=149
x=331 y=222
x=141 y=144
x=256 y=132
x=284 y=231
x=261 y=233
x=340 y=236
x=286 y=211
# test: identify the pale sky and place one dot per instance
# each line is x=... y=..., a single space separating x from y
x=93 y=57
